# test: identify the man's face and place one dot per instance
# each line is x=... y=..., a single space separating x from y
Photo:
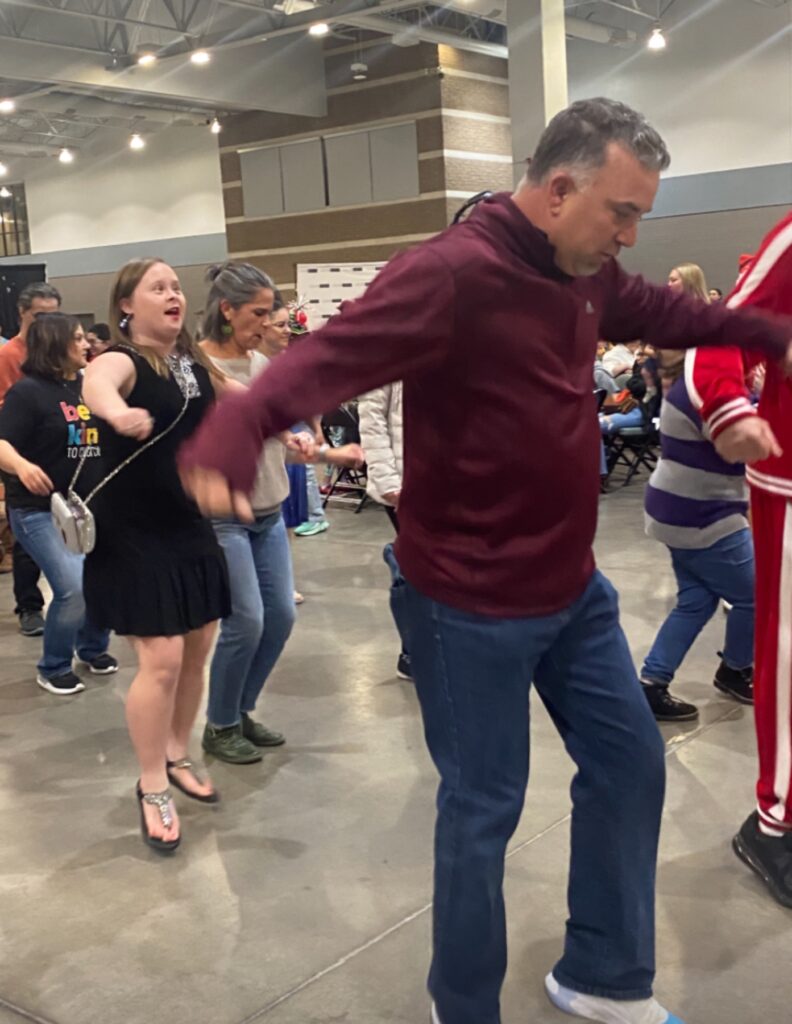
x=27 y=316
x=592 y=221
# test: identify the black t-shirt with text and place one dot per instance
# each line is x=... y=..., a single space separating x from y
x=48 y=424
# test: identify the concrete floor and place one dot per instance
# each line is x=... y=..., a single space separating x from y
x=304 y=897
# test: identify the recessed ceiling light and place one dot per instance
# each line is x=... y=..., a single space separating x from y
x=200 y=57
x=656 y=41
x=5 y=193
x=215 y=127
x=7 y=106
x=66 y=156
x=146 y=59
x=319 y=28
x=136 y=141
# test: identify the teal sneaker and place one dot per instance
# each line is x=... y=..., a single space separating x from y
x=311 y=529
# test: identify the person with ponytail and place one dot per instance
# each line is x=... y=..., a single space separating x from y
x=238 y=321
x=157 y=574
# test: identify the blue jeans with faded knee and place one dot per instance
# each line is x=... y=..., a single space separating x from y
x=66 y=630
x=473 y=676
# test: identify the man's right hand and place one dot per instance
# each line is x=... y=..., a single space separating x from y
x=213 y=495
x=750 y=439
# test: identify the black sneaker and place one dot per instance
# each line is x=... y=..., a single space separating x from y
x=104 y=665
x=403 y=667
x=769 y=856
x=31 y=623
x=667 y=708
x=64 y=685
x=736 y=683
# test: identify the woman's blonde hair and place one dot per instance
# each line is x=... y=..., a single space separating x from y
x=693 y=281
x=127 y=280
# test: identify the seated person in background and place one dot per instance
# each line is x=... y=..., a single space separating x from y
x=646 y=391
x=604 y=379
x=715 y=295
x=620 y=360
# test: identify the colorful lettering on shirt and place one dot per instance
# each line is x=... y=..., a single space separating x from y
x=82 y=440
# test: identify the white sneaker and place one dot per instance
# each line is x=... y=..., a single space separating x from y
x=607 y=1011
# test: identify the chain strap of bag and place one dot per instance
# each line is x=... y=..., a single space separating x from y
x=71 y=515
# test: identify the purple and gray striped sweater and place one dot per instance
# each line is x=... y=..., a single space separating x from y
x=693 y=498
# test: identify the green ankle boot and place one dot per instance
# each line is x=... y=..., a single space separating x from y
x=228 y=744
x=260 y=734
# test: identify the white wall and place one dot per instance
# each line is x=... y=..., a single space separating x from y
x=170 y=189
x=721 y=93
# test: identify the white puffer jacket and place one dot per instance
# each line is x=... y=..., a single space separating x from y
x=381 y=437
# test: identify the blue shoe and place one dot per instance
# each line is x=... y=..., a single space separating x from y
x=311 y=529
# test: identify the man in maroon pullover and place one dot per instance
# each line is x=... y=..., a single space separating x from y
x=493 y=327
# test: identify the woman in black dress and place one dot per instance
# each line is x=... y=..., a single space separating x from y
x=157 y=574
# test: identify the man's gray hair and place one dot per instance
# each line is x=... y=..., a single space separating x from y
x=579 y=136
x=37 y=290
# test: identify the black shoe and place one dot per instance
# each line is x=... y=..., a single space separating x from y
x=667 y=708
x=62 y=686
x=103 y=665
x=737 y=683
x=769 y=856
x=403 y=667
x=31 y=623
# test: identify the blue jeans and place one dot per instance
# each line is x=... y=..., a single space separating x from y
x=398 y=598
x=704 y=576
x=316 y=512
x=473 y=677
x=262 y=601
x=618 y=420
x=65 y=628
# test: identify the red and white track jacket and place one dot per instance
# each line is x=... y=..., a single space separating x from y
x=716 y=378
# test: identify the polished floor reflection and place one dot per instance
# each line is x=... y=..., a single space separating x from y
x=304 y=897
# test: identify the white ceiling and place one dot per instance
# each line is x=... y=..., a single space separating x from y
x=71 y=64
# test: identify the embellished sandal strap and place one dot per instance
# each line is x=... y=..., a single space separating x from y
x=183 y=762
x=162 y=802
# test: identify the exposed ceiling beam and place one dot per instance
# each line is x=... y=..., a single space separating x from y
x=426 y=33
x=70 y=12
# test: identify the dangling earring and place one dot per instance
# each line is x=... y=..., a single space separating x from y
x=123 y=323
x=227 y=330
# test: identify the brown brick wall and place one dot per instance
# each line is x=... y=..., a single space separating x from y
x=328 y=226
x=422 y=92
x=477 y=175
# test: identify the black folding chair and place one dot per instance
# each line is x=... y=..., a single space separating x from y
x=634 y=448
x=346 y=417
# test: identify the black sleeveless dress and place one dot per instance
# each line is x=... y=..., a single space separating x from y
x=157 y=569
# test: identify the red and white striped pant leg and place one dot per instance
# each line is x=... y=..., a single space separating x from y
x=772 y=528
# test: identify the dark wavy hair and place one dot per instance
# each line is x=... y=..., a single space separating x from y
x=48 y=343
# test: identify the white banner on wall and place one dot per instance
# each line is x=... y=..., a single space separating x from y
x=324 y=286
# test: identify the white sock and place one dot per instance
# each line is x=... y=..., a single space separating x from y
x=607 y=1011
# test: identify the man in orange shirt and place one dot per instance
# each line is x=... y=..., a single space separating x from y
x=35 y=298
